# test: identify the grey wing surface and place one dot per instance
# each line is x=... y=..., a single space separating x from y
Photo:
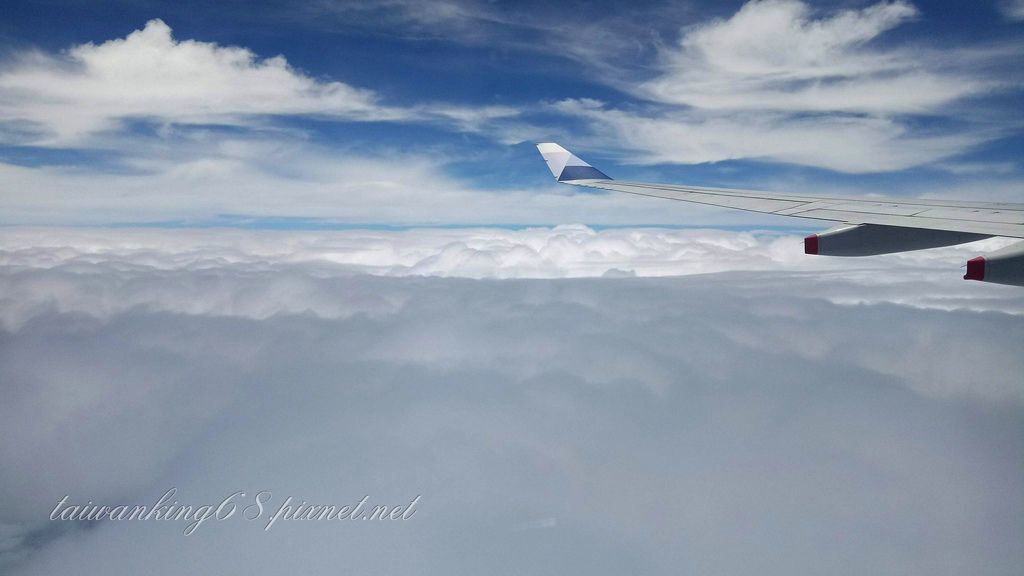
x=867 y=225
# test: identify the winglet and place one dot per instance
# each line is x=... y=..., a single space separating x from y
x=566 y=166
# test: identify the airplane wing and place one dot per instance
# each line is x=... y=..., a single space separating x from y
x=868 y=225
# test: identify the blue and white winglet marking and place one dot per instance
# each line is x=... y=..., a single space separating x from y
x=566 y=166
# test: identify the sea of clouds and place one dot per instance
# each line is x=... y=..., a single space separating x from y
x=565 y=400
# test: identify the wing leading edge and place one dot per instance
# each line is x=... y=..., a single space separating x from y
x=867 y=225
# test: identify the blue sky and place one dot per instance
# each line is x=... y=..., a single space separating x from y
x=408 y=113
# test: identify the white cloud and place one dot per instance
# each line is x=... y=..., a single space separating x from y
x=559 y=252
x=151 y=76
x=1012 y=9
x=840 y=143
x=774 y=55
x=195 y=175
x=812 y=431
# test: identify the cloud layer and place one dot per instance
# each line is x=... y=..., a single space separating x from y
x=572 y=251
x=734 y=422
